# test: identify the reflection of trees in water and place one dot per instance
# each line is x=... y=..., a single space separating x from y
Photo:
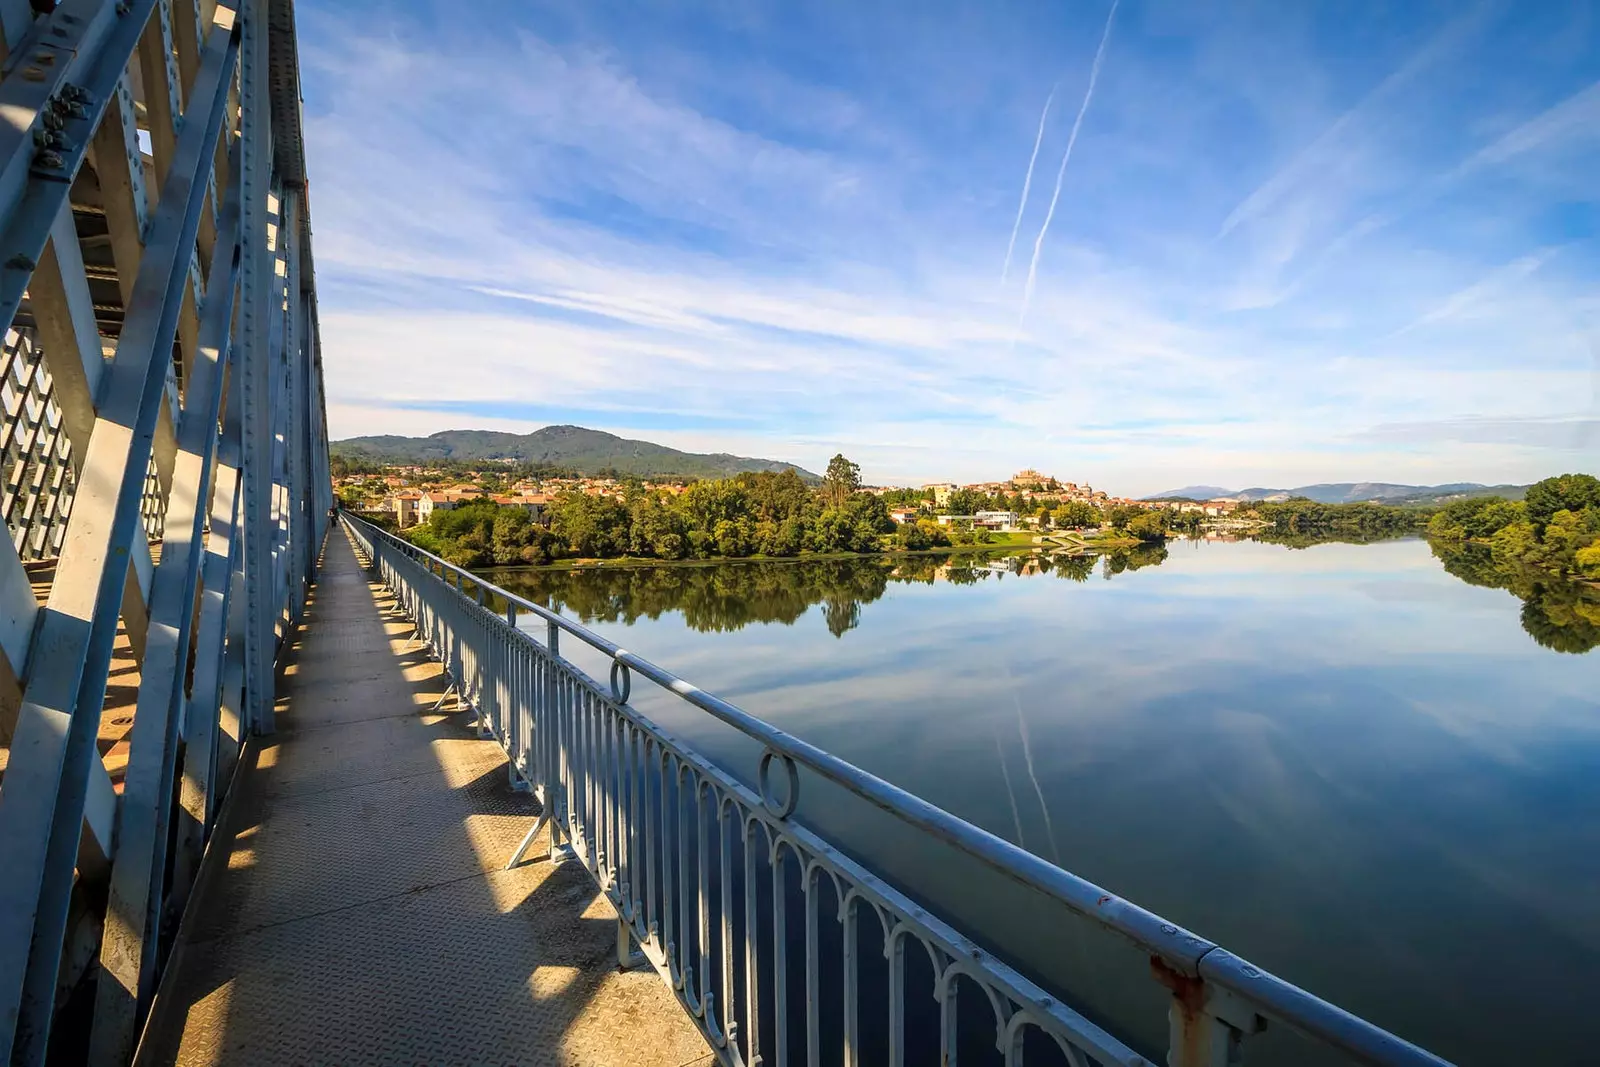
x=730 y=596
x=1148 y=555
x=1309 y=539
x=842 y=615
x=1558 y=614
x=711 y=598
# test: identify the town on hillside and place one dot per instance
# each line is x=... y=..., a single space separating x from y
x=408 y=496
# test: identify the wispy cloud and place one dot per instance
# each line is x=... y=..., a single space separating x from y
x=1575 y=118
x=1477 y=299
x=773 y=243
x=1571 y=433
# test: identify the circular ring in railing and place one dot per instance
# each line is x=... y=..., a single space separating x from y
x=621 y=681
x=763 y=781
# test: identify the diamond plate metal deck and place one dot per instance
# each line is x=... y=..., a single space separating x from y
x=352 y=910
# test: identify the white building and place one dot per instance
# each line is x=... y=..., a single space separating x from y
x=995 y=520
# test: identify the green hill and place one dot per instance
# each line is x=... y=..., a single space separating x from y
x=573 y=448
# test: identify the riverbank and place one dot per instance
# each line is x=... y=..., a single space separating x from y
x=1018 y=543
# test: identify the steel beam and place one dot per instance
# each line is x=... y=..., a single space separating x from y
x=128 y=953
x=255 y=381
x=203 y=711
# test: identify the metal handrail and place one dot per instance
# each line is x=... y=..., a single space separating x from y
x=1211 y=985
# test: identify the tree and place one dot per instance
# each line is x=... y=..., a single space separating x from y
x=656 y=530
x=966 y=502
x=913 y=537
x=1475 y=519
x=1119 y=515
x=841 y=481
x=1075 y=514
x=1149 y=526
x=869 y=508
x=1565 y=492
x=511 y=529
x=594 y=526
x=776 y=497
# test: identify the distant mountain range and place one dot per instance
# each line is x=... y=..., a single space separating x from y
x=1351 y=492
x=573 y=448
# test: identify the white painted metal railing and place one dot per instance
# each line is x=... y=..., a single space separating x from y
x=707 y=868
x=165 y=471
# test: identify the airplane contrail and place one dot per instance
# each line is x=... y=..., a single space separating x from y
x=1027 y=182
x=1072 y=139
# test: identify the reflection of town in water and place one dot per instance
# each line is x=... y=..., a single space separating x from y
x=719 y=597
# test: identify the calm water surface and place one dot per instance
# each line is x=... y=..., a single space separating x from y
x=1343 y=762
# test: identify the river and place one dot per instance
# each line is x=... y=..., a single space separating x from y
x=1367 y=768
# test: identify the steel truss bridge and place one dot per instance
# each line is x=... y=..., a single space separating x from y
x=165 y=492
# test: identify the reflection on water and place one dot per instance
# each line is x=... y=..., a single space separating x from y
x=1346 y=762
x=1560 y=615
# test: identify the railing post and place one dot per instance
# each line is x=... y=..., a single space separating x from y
x=1206 y=1025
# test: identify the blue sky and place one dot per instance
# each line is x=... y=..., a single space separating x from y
x=1293 y=242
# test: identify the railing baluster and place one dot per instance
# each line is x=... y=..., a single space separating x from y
x=752 y=927
x=948 y=1019
x=895 y=951
x=725 y=853
x=809 y=879
x=670 y=844
x=687 y=920
x=780 y=956
x=703 y=894
x=852 y=1034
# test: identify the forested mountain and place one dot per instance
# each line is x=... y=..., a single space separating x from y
x=573 y=448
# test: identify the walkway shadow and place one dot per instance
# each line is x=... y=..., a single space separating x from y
x=354 y=909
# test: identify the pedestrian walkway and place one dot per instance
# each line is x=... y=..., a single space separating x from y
x=353 y=909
